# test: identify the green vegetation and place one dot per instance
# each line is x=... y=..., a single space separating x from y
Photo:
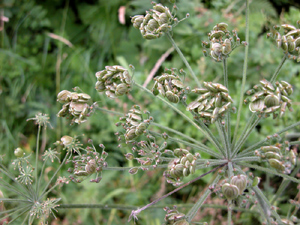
x=227 y=157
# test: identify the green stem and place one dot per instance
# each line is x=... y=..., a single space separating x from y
x=265 y=204
x=178 y=133
x=273 y=78
x=183 y=58
x=222 y=135
x=63 y=162
x=245 y=136
x=201 y=147
x=288 y=128
x=250 y=121
x=244 y=73
x=37 y=157
x=229 y=214
x=230 y=169
x=272 y=171
x=192 y=212
x=248 y=159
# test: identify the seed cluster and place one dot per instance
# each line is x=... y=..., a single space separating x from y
x=76 y=105
x=212 y=103
x=174 y=217
x=279 y=156
x=134 y=124
x=269 y=99
x=221 y=42
x=156 y=21
x=88 y=163
x=114 y=80
x=169 y=85
x=180 y=167
x=289 y=41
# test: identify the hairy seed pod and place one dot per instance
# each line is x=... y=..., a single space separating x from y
x=186 y=172
x=240 y=181
x=288 y=27
x=267 y=84
x=180 y=152
x=255 y=181
x=133 y=170
x=226 y=47
x=140 y=128
x=130 y=135
x=219 y=87
x=193 y=105
x=63 y=96
x=272 y=155
x=271 y=100
x=81 y=173
x=90 y=167
x=172 y=97
x=137 y=21
x=271 y=148
x=257 y=106
x=284 y=44
x=216 y=34
x=19 y=152
x=226 y=96
x=272 y=109
x=221 y=26
x=200 y=90
x=276 y=164
x=293 y=157
x=66 y=140
x=230 y=191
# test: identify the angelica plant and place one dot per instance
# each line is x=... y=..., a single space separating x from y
x=209 y=107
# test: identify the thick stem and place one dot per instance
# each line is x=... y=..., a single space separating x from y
x=183 y=59
x=244 y=72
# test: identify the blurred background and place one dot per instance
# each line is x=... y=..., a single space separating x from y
x=53 y=45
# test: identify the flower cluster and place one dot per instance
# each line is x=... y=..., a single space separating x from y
x=221 y=42
x=156 y=21
x=180 y=167
x=91 y=162
x=75 y=105
x=212 y=103
x=173 y=217
x=289 y=41
x=42 y=210
x=269 y=99
x=279 y=156
x=114 y=80
x=134 y=124
x=169 y=85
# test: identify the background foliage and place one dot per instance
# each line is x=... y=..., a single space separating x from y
x=48 y=46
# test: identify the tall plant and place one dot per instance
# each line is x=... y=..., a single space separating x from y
x=209 y=107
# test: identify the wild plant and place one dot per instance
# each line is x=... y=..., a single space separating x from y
x=208 y=106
